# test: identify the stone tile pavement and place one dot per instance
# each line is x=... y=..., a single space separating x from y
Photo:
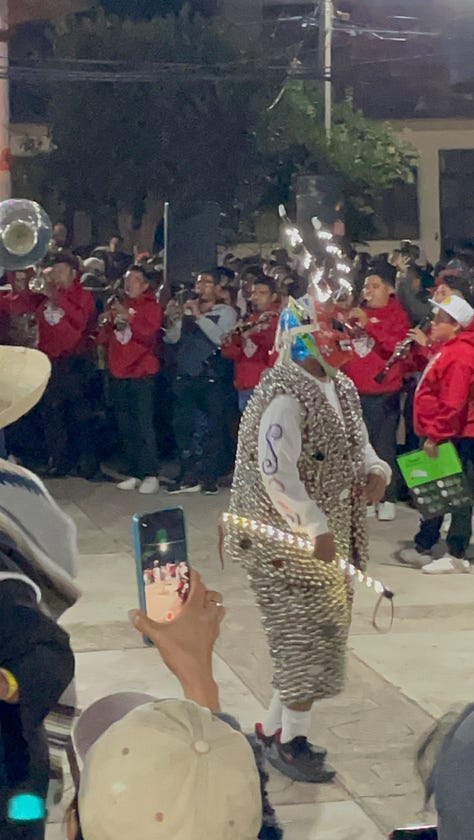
x=398 y=681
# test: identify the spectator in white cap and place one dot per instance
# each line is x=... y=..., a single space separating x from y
x=175 y=769
x=446 y=762
x=444 y=410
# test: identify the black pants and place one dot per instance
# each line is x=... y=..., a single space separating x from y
x=191 y=395
x=66 y=416
x=460 y=530
x=381 y=414
x=134 y=405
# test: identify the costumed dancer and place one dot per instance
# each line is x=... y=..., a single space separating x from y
x=305 y=466
x=37 y=566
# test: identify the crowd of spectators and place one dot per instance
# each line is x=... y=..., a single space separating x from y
x=158 y=373
x=146 y=373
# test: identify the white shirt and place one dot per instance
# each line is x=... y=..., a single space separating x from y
x=279 y=447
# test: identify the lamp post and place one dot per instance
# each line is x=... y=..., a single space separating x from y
x=325 y=50
x=5 y=178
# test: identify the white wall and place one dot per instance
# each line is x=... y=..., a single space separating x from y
x=429 y=137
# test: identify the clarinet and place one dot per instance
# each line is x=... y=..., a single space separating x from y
x=401 y=349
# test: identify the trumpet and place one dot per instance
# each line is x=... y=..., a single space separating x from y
x=108 y=316
x=39 y=283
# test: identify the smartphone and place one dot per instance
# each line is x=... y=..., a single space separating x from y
x=415 y=832
x=162 y=564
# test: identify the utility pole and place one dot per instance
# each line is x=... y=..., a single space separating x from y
x=5 y=178
x=326 y=16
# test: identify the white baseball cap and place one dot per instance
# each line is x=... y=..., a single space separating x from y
x=24 y=374
x=164 y=769
x=457 y=307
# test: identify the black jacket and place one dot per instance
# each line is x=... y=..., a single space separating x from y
x=37 y=652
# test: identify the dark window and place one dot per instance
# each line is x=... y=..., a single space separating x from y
x=456 y=179
x=396 y=213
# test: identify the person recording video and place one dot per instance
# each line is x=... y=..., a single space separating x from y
x=37 y=566
x=216 y=785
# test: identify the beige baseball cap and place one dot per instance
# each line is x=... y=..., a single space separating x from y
x=164 y=769
x=457 y=307
x=24 y=374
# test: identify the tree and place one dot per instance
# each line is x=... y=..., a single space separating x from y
x=364 y=155
x=197 y=128
x=185 y=137
x=139 y=9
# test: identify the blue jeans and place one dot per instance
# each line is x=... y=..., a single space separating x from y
x=3 y=446
x=244 y=396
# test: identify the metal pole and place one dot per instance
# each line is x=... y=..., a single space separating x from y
x=5 y=178
x=166 y=222
x=327 y=40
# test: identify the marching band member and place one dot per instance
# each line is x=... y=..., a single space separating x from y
x=250 y=344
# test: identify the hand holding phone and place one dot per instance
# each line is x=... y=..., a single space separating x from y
x=186 y=644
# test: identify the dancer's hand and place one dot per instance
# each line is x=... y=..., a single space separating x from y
x=325 y=548
x=375 y=487
x=187 y=642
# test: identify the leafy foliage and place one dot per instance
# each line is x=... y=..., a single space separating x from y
x=198 y=135
x=153 y=8
x=184 y=138
x=365 y=155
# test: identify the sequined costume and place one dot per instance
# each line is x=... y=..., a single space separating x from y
x=304 y=602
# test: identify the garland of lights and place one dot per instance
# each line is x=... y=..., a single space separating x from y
x=309 y=262
x=279 y=536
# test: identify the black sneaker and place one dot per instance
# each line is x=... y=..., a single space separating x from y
x=301 y=761
x=209 y=489
x=226 y=480
x=183 y=487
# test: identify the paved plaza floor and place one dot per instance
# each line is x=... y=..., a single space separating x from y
x=398 y=681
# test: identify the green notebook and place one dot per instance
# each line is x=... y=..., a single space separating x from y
x=418 y=468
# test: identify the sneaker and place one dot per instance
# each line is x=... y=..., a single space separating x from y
x=183 y=487
x=447 y=565
x=266 y=740
x=414 y=558
x=386 y=512
x=128 y=484
x=149 y=485
x=209 y=489
x=300 y=761
x=371 y=511
x=226 y=480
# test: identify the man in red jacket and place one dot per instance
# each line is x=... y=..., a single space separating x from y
x=131 y=330
x=383 y=323
x=250 y=346
x=444 y=410
x=65 y=317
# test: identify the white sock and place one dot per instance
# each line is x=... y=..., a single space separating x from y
x=273 y=718
x=294 y=724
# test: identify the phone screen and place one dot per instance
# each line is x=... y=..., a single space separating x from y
x=162 y=562
x=419 y=832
